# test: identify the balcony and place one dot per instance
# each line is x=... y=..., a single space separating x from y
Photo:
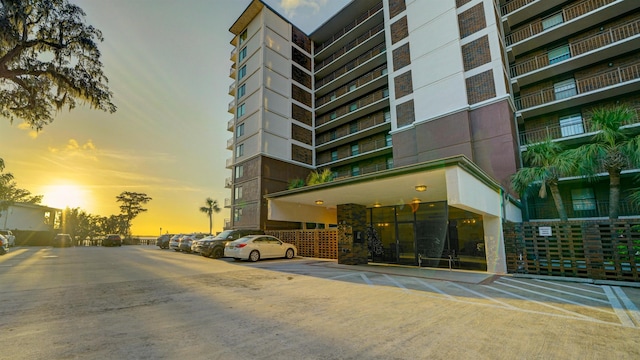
x=598 y=209
x=344 y=114
x=234 y=54
x=614 y=82
x=570 y=20
x=364 y=170
x=229 y=163
x=230 y=144
x=564 y=132
x=232 y=106
x=366 y=150
x=348 y=92
x=352 y=25
x=579 y=53
x=228 y=183
x=232 y=89
x=371 y=58
x=345 y=134
x=227 y=203
x=231 y=124
x=232 y=71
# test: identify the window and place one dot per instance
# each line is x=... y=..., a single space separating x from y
x=559 y=54
x=571 y=125
x=390 y=163
x=552 y=21
x=239 y=150
x=239 y=171
x=238 y=193
x=353 y=107
x=241 y=111
x=352 y=87
x=333 y=115
x=242 y=90
x=583 y=199
x=384 y=71
x=333 y=135
x=387 y=140
x=355 y=170
x=237 y=215
x=387 y=116
x=353 y=127
x=242 y=72
x=332 y=97
x=355 y=149
x=242 y=54
x=385 y=93
x=243 y=37
x=334 y=155
x=240 y=130
x=565 y=89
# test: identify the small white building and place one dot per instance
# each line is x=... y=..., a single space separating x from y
x=32 y=224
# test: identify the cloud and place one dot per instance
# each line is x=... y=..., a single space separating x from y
x=74 y=148
x=26 y=127
x=290 y=6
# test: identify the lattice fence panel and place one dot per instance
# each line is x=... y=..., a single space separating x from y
x=311 y=243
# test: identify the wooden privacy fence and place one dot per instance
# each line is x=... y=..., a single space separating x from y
x=601 y=250
x=311 y=243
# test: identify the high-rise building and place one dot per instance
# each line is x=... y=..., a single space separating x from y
x=396 y=97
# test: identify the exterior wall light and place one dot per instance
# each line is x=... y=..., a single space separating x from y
x=421 y=188
x=319 y=202
x=377 y=205
x=416 y=201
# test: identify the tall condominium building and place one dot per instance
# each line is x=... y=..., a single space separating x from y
x=420 y=109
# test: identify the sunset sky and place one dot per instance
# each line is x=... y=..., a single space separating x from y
x=168 y=66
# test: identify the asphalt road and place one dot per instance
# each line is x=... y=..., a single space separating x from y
x=140 y=302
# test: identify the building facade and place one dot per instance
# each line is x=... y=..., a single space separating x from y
x=419 y=108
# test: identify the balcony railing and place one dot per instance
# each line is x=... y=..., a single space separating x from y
x=364 y=170
x=514 y=5
x=597 y=209
x=227 y=202
x=378 y=49
x=557 y=131
x=228 y=183
x=609 y=78
x=229 y=163
x=231 y=124
x=354 y=106
x=359 y=20
x=362 y=38
x=347 y=130
x=579 y=47
x=568 y=13
x=359 y=82
x=363 y=149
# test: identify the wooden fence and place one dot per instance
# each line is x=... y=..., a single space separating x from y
x=311 y=243
x=600 y=250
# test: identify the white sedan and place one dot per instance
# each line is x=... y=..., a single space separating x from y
x=256 y=247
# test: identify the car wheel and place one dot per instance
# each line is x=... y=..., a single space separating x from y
x=289 y=254
x=218 y=253
x=254 y=256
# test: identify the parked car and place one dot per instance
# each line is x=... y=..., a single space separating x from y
x=163 y=241
x=185 y=241
x=256 y=247
x=174 y=243
x=112 y=240
x=4 y=245
x=10 y=237
x=62 y=240
x=214 y=247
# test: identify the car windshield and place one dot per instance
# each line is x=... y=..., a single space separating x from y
x=223 y=235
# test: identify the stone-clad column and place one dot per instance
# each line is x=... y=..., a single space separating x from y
x=352 y=243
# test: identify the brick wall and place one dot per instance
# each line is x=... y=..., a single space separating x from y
x=401 y=57
x=476 y=53
x=480 y=87
x=301 y=134
x=396 y=7
x=300 y=39
x=303 y=155
x=300 y=76
x=403 y=84
x=471 y=21
x=405 y=113
x=399 y=30
x=301 y=95
x=300 y=114
x=300 y=58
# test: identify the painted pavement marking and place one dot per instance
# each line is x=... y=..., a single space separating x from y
x=395 y=282
x=366 y=279
x=431 y=287
x=482 y=295
x=631 y=307
x=617 y=307
x=559 y=291
x=557 y=284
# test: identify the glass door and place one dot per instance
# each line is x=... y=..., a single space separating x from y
x=406 y=244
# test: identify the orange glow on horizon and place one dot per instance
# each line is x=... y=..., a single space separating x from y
x=66 y=195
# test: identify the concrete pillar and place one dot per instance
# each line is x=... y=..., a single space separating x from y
x=352 y=243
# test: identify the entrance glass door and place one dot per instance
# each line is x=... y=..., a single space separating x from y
x=406 y=244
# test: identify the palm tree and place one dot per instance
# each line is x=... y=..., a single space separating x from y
x=546 y=165
x=210 y=208
x=611 y=148
x=318 y=178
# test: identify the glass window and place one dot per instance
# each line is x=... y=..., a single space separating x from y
x=334 y=155
x=387 y=116
x=571 y=125
x=242 y=72
x=353 y=107
x=583 y=199
x=355 y=170
x=384 y=71
x=333 y=135
x=237 y=214
x=332 y=97
x=352 y=87
x=552 y=21
x=353 y=127
x=243 y=36
x=242 y=54
x=241 y=90
x=333 y=115
x=238 y=192
x=239 y=171
x=388 y=140
x=239 y=150
x=565 y=89
x=385 y=93
x=559 y=54
x=355 y=149
x=241 y=110
x=240 y=130
x=390 y=163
